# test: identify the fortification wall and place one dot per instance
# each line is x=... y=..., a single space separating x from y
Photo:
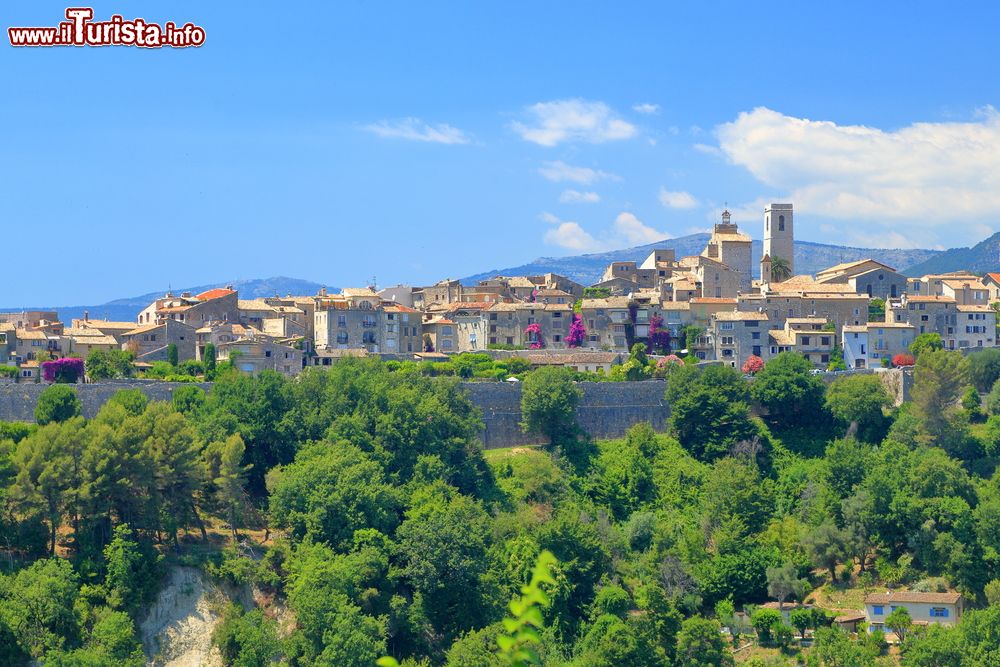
x=607 y=409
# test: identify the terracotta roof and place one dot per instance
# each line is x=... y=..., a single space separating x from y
x=89 y=339
x=396 y=308
x=913 y=596
x=173 y=309
x=929 y=299
x=216 y=293
x=841 y=268
x=850 y=617
x=555 y=358
x=468 y=305
x=712 y=299
x=609 y=302
x=144 y=329
x=973 y=308
x=106 y=324
x=959 y=283
x=781 y=337
x=995 y=277
x=806 y=320
x=25 y=334
x=740 y=316
x=358 y=291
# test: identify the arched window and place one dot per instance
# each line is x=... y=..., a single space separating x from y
x=781 y=223
x=342 y=337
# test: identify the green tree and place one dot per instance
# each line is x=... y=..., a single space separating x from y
x=230 y=482
x=781 y=270
x=57 y=403
x=827 y=546
x=859 y=402
x=926 y=342
x=49 y=473
x=707 y=413
x=700 y=644
x=208 y=359
x=330 y=492
x=788 y=390
x=984 y=368
x=109 y=364
x=130 y=572
x=442 y=545
x=172 y=355
x=38 y=606
x=246 y=639
x=188 y=400
x=938 y=380
x=784 y=582
x=132 y=400
x=899 y=622
x=765 y=621
x=179 y=472
x=549 y=399
x=933 y=645
x=801 y=619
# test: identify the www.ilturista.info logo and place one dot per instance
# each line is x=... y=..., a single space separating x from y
x=81 y=30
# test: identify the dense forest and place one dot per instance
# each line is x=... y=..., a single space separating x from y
x=386 y=533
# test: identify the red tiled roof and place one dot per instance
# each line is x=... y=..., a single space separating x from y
x=216 y=293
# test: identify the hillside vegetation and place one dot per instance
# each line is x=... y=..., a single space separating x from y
x=357 y=512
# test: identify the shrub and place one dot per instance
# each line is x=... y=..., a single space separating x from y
x=66 y=370
x=903 y=360
x=753 y=364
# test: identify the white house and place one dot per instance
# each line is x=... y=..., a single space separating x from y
x=924 y=608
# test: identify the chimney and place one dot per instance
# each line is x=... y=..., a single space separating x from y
x=86 y=316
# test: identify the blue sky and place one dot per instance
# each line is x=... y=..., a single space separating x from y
x=413 y=141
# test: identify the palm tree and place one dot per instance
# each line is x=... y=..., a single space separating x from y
x=780 y=270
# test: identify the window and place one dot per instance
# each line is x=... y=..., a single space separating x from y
x=939 y=612
x=727 y=340
x=824 y=340
x=878 y=610
x=446 y=345
x=341 y=320
x=805 y=340
x=557 y=338
x=342 y=337
x=755 y=335
x=556 y=315
x=267 y=353
x=726 y=326
x=446 y=331
x=781 y=223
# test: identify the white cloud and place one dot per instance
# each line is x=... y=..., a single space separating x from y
x=414 y=129
x=577 y=197
x=646 y=108
x=907 y=185
x=677 y=199
x=627 y=230
x=634 y=232
x=559 y=171
x=573 y=120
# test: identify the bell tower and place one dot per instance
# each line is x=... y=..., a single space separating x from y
x=779 y=237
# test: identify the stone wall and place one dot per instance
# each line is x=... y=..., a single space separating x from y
x=17 y=401
x=607 y=410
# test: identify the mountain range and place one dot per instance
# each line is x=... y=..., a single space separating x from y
x=587 y=269
x=981 y=258
x=809 y=258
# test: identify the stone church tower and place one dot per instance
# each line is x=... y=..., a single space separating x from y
x=779 y=237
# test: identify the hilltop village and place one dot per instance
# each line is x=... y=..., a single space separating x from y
x=708 y=307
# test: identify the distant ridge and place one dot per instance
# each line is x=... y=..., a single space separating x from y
x=809 y=258
x=984 y=257
x=127 y=309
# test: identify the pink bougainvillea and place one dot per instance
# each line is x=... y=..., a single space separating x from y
x=753 y=364
x=577 y=332
x=533 y=332
x=659 y=338
x=903 y=360
x=62 y=370
x=669 y=359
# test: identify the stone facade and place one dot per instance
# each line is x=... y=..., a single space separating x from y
x=779 y=234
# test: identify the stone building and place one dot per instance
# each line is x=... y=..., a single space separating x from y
x=866 y=276
x=403 y=329
x=736 y=335
x=779 y=234
x=607 y=321
x=253 y=355
x=352 y=319
x=214 y=305
x=731 y=247
x=870 y=345
x=807 y=336
x=151 y=342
